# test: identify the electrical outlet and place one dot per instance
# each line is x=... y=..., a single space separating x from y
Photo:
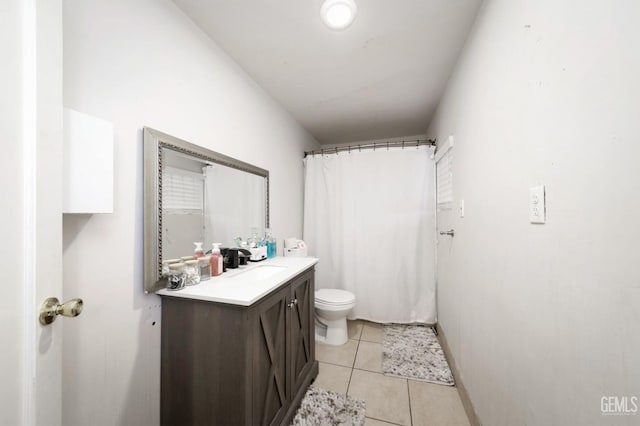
x=537 y=204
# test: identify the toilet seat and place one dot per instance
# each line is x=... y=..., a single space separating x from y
x=334 y=297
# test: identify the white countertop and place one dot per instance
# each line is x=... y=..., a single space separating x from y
x=247 y=284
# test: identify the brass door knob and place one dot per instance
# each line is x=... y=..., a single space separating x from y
x=51 y=308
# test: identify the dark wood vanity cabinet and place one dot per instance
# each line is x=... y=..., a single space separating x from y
x=226 y=364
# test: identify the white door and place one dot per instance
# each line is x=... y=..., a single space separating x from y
x=30 y=197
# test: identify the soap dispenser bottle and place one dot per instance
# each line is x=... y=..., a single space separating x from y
x=198 y=252
x=216 y=260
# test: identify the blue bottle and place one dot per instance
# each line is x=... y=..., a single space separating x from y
x=271 y=244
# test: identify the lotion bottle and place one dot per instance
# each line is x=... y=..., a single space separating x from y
x=198 y=252
x=216 y=260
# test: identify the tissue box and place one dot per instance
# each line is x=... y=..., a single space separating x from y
x=295 y=252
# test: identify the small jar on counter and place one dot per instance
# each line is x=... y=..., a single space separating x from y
x=166 y=263
x=176 y=278
x=205 y=268
x=192 y=272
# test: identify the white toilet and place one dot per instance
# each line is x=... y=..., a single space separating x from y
x=332 y=308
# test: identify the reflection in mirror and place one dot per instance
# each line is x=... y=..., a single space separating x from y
x=207 y=202
x=234 y=205
x=182 y=203
x=194 y=194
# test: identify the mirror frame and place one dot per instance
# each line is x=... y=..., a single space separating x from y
x=154 y=142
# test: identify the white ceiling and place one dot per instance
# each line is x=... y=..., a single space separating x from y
x=381 y=77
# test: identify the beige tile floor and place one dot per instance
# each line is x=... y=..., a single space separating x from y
x=355 y=369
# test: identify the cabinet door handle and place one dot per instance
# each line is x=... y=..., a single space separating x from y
x=293 y=303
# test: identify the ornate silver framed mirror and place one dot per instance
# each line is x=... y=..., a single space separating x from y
x=193 y=194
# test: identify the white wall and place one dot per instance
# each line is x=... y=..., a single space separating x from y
x=140 y=64
x=544 y=320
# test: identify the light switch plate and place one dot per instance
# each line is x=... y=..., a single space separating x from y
x=461 y=208
x=537 y=204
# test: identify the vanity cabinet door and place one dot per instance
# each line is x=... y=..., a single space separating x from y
x=271 y=381
x=302 y=329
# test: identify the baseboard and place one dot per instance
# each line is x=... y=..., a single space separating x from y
x=462 y=391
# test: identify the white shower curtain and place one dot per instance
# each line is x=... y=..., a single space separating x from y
x=370 y=218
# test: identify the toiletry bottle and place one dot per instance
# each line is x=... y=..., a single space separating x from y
x=271 y=244
x=254 y=238
x=198 y=252
x=216 y=260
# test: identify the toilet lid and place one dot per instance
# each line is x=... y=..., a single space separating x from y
x=332 y=296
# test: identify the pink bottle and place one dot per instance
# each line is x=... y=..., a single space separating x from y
x=216 y=260
x=198 y=252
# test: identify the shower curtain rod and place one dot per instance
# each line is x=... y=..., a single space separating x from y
x=373 y=145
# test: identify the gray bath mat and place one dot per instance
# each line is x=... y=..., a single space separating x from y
x=413 y=352
x=321 y=407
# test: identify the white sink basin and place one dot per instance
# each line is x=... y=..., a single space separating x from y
x=260 y=272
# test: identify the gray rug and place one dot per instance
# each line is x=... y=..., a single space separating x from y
x=321 y=407
x=413 y=352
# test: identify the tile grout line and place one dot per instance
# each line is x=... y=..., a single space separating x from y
x=410 y=408
x=353 y=364
x=352 y=368
x=349 y=384
x=384 y=421
x=336 y=365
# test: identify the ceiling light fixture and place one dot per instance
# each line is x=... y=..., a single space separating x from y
x=338 y=14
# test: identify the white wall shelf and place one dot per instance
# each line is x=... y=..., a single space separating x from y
x=88 y=164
